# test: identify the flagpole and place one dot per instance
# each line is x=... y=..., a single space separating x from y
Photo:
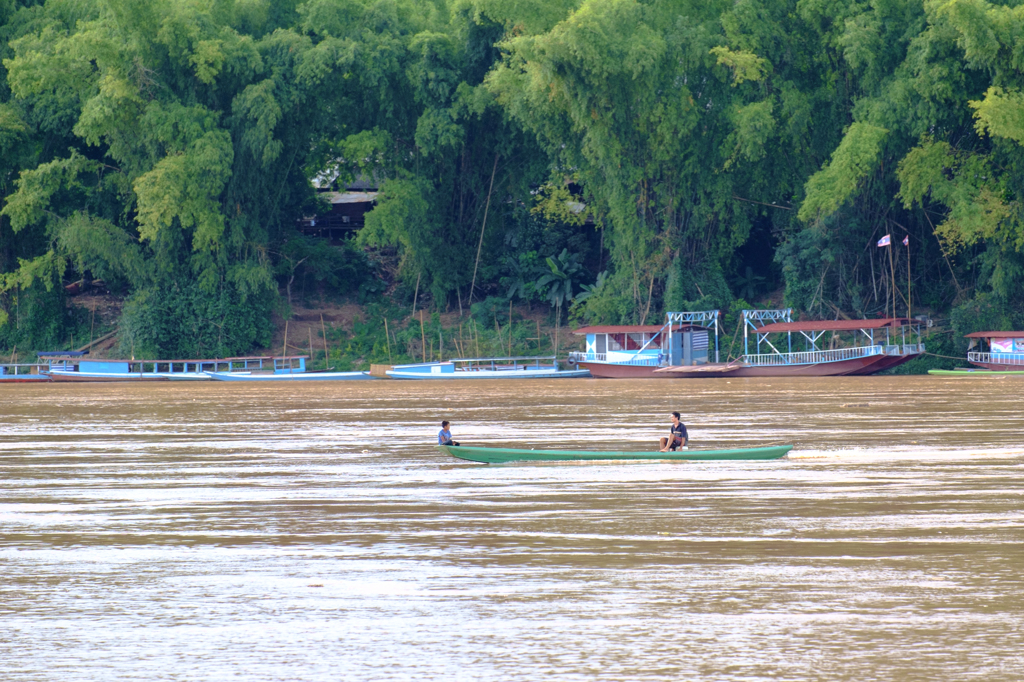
x=909 y=316
x=892 y=276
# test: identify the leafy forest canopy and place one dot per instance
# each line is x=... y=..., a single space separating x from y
x=621 y=158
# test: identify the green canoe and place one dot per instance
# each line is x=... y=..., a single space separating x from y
x=498 y=455
x=974 y=372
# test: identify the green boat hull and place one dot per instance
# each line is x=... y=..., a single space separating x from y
x=500 y=455
x=974 y=372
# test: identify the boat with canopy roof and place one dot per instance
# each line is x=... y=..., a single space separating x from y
x=683 y=347
x=1004 y=357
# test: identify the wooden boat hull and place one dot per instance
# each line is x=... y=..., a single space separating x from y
x=607 y=370
x=965 y=372
x=501 y=455
x=887 y=362
x=24 y=379
x=491 y=374
x=820 y=369
x=864 y=365
x=291 y=376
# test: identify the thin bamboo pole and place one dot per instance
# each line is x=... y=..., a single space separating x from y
x=284 y=348
x=423 y=338
x=310 y=330
x=909 y=310
x=416 y=295
x=323 y=328
x=388 y=339
x=510 y=327
x=483 y=226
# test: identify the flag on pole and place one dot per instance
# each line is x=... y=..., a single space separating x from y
x=906 y=240
x=884 y=241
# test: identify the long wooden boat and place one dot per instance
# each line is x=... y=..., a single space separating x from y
x=23 y=373
x=73 y=366
x=487 y=368
x=969 y=372
x=289 y=376
x=500 y=455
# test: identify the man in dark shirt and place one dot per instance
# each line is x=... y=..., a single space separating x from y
x=677 y=437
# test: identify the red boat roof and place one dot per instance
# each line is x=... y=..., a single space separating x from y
x=633 y=328
x=834 y=325
x=995 y=335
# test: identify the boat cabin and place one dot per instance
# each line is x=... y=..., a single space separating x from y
x=680 y=344
x=1005 y=349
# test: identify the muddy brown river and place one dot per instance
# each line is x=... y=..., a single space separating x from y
x=312 y=532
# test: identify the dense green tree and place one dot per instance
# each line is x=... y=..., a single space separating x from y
x=679 y=147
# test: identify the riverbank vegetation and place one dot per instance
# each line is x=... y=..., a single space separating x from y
x=601 y=160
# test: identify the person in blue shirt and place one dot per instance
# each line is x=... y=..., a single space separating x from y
x=677 y=436
x=444 y=436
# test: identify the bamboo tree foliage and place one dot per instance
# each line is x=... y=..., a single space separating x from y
x=178 y=135
x=633 y=96
x=933 y=148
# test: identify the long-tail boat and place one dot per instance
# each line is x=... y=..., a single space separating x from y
x=23 y=373
x=501 y=455
x=1004 y=357
x=682 y=347
x=533 y=367
x=74 y=366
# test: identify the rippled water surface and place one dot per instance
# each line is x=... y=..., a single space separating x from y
x=215 y=531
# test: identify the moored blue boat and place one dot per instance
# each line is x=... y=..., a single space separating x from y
x=290 y=376
x=74 y=366
x=486 y=368
x=23 y=373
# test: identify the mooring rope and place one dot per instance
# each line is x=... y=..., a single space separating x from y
x=948 y=357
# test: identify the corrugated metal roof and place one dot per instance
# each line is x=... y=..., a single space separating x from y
x=632 y=329
x=995 y=335
x=350 y=197
x=833 y=325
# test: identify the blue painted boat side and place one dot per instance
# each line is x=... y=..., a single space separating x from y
x=103 y=367
x=425 y=368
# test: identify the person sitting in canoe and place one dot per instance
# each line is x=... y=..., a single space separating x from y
x=677 y=436
x=444 y=436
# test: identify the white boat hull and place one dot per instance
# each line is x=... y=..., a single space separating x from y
x=292 y=376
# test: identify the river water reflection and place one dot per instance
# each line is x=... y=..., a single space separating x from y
x=207 y=531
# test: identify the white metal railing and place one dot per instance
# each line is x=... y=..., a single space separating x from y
x=637 y=361
x=812 y=356
x=997 y=358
